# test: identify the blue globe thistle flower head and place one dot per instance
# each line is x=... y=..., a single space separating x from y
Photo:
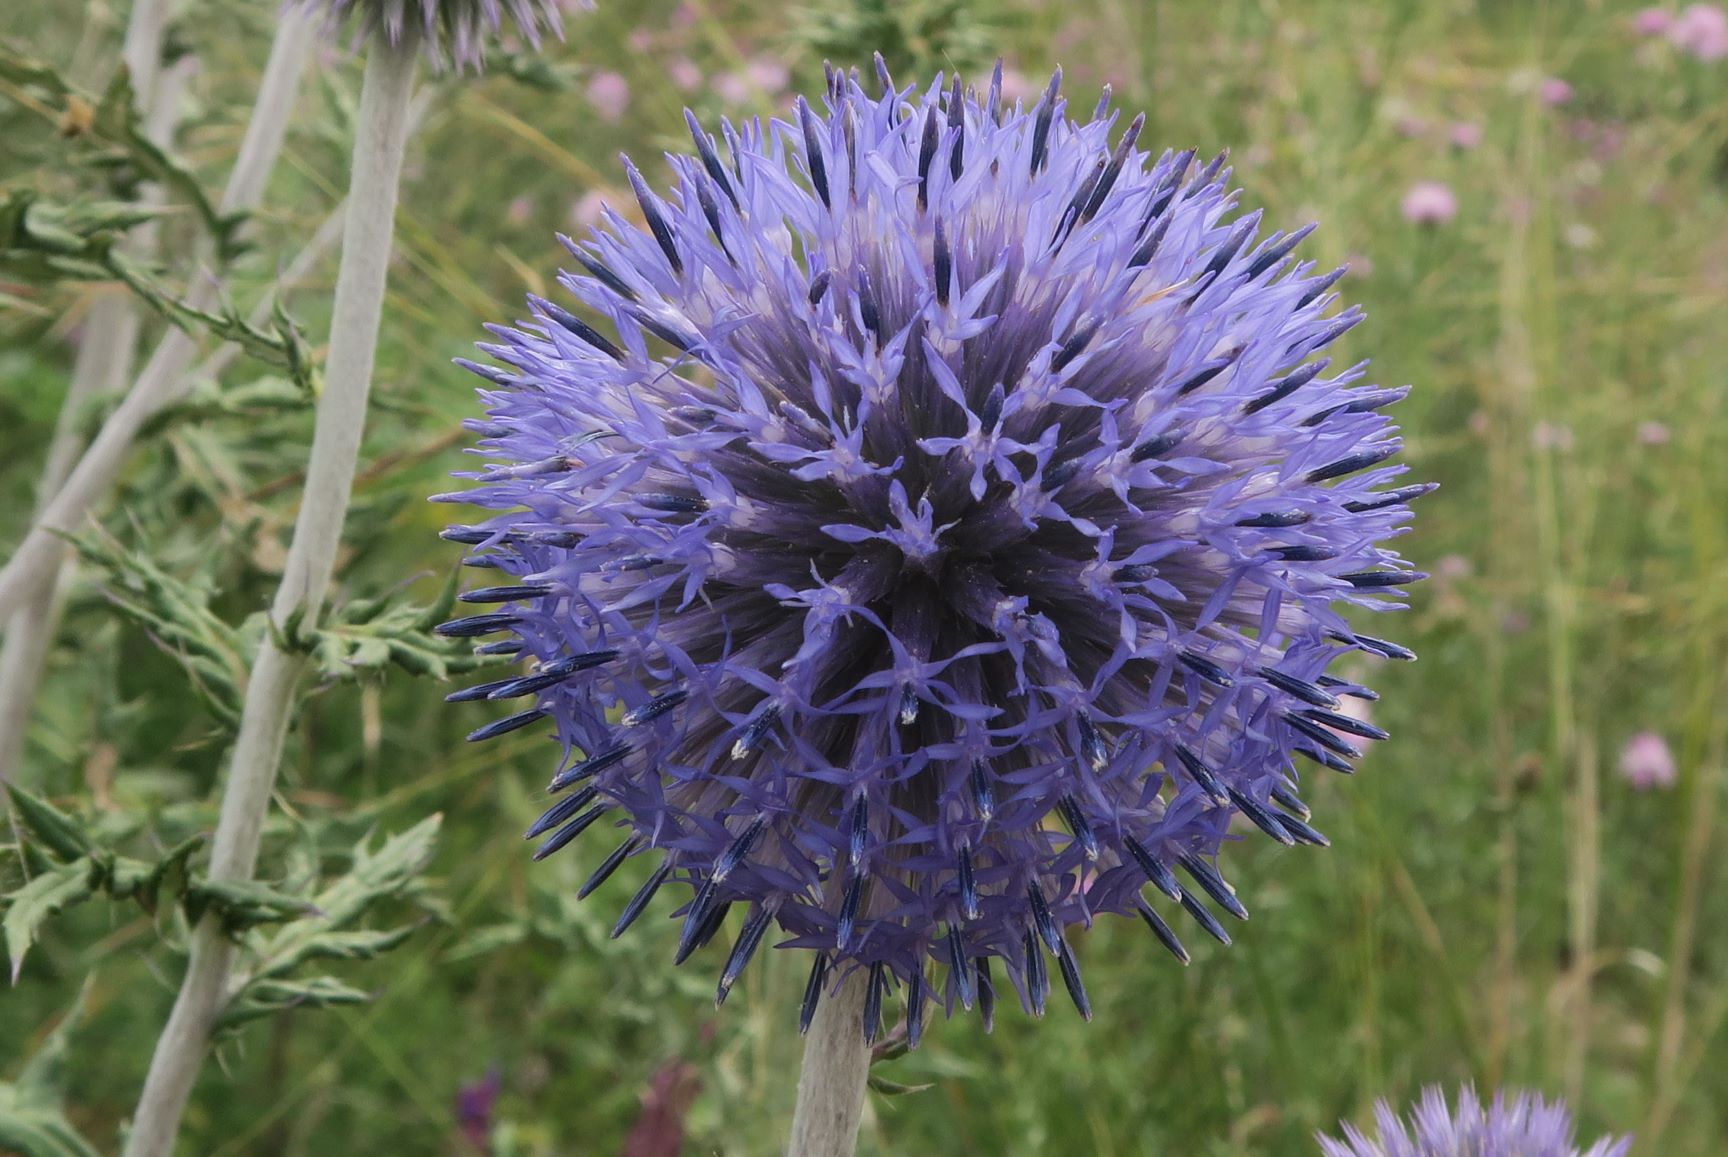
x=453 y=29
x=1525 y=1126
x=943 y=532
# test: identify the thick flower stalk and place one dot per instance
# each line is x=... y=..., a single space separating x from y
x=457 y=30
x=1525 y=1126
x=942 y=531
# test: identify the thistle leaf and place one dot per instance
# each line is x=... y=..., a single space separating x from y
x=29 y=907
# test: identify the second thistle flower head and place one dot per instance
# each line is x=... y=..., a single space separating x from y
x=457 y=29
x=943 y=534
x=1521 y=1126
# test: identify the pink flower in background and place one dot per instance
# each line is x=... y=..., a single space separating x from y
x=585 y=211
x=683 y=72
x=1429 y=203
x=1646 y=762
x=609 y=93
x=1465 y=135
x=1016 y=86
x=1653 y=433
x=1453 y=567
x=520 y=211
x=1410 y=126
x=732 y=88
x=768 y=74
x=1652 y=21
x=1554 y=92
x=1701 y=30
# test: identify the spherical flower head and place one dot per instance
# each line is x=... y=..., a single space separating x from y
x=943 y=533
x=452 y=29
x=1525 y=1126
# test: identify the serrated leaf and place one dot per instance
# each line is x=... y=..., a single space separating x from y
x=366 y=634
x=53 y=828
x=263 y=997
x=363 y=945
x=119 y=119
x=241 y=904
x=143 y=882
x=35 y=902
x=391 y=871
x=179 y=619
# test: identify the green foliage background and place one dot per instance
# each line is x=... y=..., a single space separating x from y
x=1498 y=905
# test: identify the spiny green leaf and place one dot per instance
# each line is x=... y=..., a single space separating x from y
x=119 y=119
x=30 y=906
x=264 y=997
x=117 y=122
x=59 y=832
x=241 y=904
x=143 y=882
x=178 y=617
x=366 y=635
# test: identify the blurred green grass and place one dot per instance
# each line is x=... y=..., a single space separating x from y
x=1498 y=905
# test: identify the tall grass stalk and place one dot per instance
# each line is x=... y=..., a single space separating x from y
x=360 y=284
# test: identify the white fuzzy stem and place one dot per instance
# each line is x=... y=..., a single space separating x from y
x=835 y=1074
x=164 y=379
x=106 y=348
x=360 y=284
x=142 y=51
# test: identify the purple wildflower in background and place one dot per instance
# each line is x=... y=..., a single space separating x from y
x=1526 y=1126
x=457 y=29
x=949 y=505
x=475 y=1103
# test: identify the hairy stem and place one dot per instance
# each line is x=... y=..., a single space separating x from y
x=360 y=283
x=163 y=379
x=836 y=1070
x=142 y=52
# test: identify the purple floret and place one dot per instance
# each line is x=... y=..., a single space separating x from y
x=457 y=29
x=964 y=519
x=1525 y=1126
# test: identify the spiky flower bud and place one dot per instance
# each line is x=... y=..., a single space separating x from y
x=943 y=534
x=1526 y=1126
x=451 y=29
